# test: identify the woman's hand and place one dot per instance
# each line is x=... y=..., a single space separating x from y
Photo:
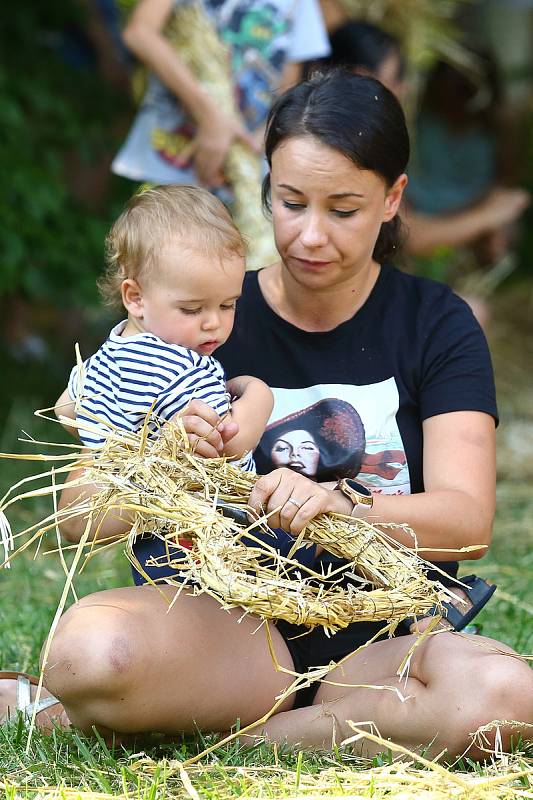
x=294 y=500
x=206 y=431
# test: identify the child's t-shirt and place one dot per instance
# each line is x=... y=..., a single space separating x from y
x=129 y=377
x=263 y=35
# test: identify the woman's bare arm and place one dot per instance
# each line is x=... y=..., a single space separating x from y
x=498 y=209
x=112 y=526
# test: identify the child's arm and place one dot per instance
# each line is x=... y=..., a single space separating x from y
x=65 y=407
x=250 y=411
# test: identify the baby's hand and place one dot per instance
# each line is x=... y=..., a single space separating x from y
x=207 y=433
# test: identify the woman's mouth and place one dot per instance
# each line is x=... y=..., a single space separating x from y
x=312 y=264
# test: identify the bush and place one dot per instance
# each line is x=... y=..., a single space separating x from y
x=54 y=114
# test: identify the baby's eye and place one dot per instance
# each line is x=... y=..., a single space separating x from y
x=343 y=213
x=190 y=311
x=228 y=306
x=293 y=206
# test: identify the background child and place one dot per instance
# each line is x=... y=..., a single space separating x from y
x=176 y=264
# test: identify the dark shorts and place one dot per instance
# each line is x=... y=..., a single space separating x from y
x=314 y=648
x=149 y=549
x=307 y=648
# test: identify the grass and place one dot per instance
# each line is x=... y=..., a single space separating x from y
x=30 y=592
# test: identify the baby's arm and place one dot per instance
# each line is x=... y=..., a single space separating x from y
x=65 y=407
x=250 y=410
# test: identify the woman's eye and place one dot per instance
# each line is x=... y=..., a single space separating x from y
x=342 y=213
x=292 y=206
x=190 y=311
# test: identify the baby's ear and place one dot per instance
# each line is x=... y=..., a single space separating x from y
x=132 y=298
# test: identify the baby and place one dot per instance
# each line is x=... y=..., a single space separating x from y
x=176 y=265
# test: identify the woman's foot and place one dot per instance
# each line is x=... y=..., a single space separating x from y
x=18 y=692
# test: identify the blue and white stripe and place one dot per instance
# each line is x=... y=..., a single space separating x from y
x=127 y=377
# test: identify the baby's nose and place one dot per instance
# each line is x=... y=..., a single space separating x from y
x=211 y=321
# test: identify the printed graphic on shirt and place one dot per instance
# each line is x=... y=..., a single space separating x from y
x=330 y=431
x=257 y=34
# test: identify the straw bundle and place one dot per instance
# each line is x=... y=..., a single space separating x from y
x=169 y=492
x=195 y=38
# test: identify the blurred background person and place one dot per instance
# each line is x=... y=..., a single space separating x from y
x=214 y=67
x=456 y=196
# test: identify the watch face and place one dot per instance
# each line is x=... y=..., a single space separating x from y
x=358 y=487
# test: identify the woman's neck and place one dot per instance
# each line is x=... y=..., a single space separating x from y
x=312 y=309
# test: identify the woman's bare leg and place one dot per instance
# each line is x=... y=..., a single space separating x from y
x=121 y=660
x=454 y=686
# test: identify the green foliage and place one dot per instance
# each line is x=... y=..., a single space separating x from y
x=52 y=115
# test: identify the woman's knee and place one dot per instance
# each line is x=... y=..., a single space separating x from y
x=493 y=705
x=506 y=698
x=95 y=650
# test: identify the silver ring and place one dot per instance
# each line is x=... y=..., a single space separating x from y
x=295 y=502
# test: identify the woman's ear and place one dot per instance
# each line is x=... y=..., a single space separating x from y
x=393 y=197
x=132 y=298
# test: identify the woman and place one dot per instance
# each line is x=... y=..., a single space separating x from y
x=331 y=316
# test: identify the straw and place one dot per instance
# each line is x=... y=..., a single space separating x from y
x=167 y=491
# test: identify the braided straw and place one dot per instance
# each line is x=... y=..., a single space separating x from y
x=166 y=490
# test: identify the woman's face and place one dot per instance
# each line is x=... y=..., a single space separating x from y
x=298 y=451
x=327 y=212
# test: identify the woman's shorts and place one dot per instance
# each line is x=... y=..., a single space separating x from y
x=307 y=648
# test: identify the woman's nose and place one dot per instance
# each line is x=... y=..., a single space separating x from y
x=313 y=233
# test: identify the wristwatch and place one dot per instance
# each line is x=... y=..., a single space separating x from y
x=356 y=492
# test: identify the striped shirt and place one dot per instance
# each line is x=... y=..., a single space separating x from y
x=128 y=377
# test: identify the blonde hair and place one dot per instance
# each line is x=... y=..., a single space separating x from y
x=154 y=217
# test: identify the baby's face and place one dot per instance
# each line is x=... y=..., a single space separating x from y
x=190 y=299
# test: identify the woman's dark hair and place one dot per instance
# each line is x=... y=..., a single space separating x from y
x=355 y=115
x=361 y=45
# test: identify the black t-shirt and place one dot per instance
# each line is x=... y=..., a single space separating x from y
x=351 y=401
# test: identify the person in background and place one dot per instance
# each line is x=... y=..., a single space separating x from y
x=268 y=42
x=367 y=50
x=456 y=196
x=459 y=138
